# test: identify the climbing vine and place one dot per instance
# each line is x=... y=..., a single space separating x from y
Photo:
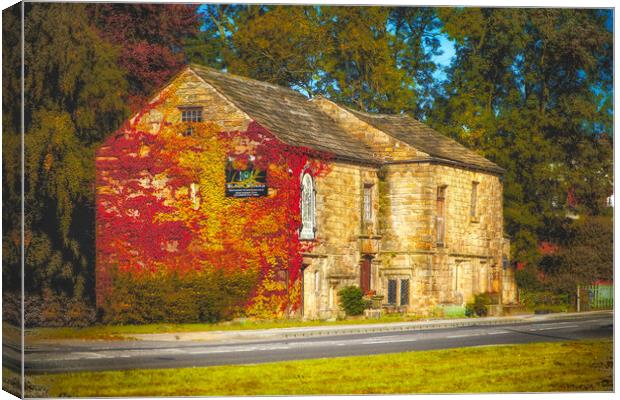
x=161 y=206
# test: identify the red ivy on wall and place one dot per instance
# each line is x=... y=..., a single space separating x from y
x=148 y=220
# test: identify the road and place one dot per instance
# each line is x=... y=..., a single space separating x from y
x=156 y=354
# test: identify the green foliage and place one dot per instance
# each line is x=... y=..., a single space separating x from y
x=545 y=301
x=167 y=296
x=370 y=58
x=12 y=383
x=74 y=95
x=585 y=255
x=352 y=300
x=529 y=89
x=479 y=306
x=11 y=147
x=47 y=310
x=529 y=277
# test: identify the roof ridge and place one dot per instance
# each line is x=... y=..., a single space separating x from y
x=286 y=113
x=246 y=78
x=374 y=120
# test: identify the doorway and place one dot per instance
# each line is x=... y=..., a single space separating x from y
x=365 y=273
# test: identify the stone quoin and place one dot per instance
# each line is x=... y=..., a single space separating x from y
x=401 y=211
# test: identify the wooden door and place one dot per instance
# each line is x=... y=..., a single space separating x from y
x=365 y=275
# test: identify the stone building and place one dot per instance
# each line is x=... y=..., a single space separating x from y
x=404 y=212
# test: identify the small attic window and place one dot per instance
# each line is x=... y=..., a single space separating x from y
x=189 y=115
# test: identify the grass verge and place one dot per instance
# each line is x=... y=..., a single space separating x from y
x=115 y=332
x=540 y=367
x=12 y=383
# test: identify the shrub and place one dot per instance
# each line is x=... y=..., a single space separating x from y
x=545 y=301
x=352 y=300
x=167 y=296
x=47 y=310
x=479 y=306
x=11 y=308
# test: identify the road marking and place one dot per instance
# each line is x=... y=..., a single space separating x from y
x=560 y=327
x=497 y=333
x=378 y=341
x=554 y=327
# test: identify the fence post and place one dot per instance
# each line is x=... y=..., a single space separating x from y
x=578 y=299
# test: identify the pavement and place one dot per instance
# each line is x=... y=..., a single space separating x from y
x=259 y=346
x=305 y=332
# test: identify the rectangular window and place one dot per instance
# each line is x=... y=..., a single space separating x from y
x=474 y=199
x=404 y=292
x=441 y=215
x=190 y=114
x=367 y=212
x=392 y=291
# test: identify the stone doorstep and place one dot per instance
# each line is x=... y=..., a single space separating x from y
x=284 y=333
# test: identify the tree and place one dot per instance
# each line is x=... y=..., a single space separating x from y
x=211 y=45
x=284 y=45
x=528 y=89
x=585 y=255
x=74 y=96
x=11 y=147
x=370 y=58
x=151 y=38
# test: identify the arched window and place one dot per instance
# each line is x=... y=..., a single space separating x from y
x=308 y=208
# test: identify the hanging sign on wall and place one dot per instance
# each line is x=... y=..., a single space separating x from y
x=248 y=182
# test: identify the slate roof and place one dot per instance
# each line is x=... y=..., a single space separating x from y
x=287 y=114
x=299 y=122
x=425 y=138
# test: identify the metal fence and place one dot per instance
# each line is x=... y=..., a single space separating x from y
x=596 y=297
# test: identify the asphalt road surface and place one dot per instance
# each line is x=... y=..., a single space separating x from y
x=152 y=354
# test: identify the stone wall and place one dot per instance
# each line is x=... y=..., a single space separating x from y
x=341 y=236
x=188 y=89
x=383 y=146
x=470 y=261
x=401 y=236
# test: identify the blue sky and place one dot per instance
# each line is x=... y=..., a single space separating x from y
x=443 y=60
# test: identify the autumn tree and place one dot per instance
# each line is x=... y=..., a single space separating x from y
x=150 y=38
x=74 y=95
x=11 y=147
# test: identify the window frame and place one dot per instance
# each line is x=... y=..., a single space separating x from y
x=440 y=216
x=395 y=287
x=473 y=204
x=195 y=116
x=307 y=199
x=367 y=214
x=402 y=295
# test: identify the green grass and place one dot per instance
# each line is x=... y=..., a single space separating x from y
x=540 y=367
x=12 y=383
x=114 y=332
